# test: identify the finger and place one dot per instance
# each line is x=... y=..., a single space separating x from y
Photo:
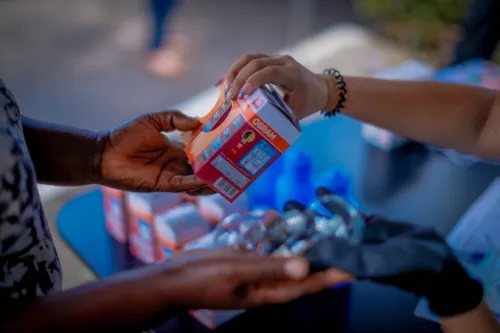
x=288 y=291
x=423 y=252
x=335 y=276
x=267 y=269
x=250 y=70
x=182 y=183
x=174 y=120
x=204 y=190
x=239 y=64
x=248 y=82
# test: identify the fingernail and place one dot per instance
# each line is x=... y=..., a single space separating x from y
x=225 y=91
x=245 y=89
x=230 y=94
x=240 y=95
x=296 y=269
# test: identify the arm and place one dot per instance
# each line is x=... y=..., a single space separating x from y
x=128 y=303
x=479 y=319
x=454 y=116
x=63 y=155
x=447 y=115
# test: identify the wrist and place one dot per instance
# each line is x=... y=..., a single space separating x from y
x=331 y=93
x=101 y=141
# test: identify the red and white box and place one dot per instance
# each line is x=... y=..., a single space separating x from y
x=115 y=211
x=238 y=140
x=143 y=208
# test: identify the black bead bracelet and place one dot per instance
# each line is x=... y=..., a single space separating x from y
x=342 y=88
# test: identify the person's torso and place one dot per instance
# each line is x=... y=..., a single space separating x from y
x=29 y=266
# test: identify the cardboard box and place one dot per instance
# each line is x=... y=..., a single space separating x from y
x=177 y=227
x=215 y=207
x=115 y=211
x=204 y=242
x=240 y=139
x=143 y=207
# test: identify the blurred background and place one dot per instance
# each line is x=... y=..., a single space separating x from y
x=87 y=62
x=92 y=63
x=97 y=63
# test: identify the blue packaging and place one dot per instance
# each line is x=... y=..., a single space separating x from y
x=262 y=194
x=339 y=182
x=295 y=182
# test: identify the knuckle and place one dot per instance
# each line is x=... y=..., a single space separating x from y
x=288 y=58
x=257 y=64
x=175 y=113
x=247 y=57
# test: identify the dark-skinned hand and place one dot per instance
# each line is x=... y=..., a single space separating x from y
x=137 y=156
x=233 y=279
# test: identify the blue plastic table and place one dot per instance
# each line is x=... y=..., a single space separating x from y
x=410 y=184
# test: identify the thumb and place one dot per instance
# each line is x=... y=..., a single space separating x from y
x=261 y=269
x=175 y=120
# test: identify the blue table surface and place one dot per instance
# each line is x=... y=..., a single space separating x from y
x=411 y=184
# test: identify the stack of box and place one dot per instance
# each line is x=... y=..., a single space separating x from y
x=156 y=224
x=177 y=227
x=116 y=214
x=143 y=208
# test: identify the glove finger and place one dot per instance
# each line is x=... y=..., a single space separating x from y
x=391 y=258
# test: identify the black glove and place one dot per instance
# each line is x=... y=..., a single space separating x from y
x=410 y=257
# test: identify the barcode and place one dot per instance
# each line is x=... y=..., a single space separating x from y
x=225 y=188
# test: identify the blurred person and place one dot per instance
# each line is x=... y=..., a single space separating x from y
x=133 y=157
x=480 y=32
x=460 y=117
x=167 y=50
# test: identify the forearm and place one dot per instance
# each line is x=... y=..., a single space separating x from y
x=117 y=305
x=478 y=320
x=461 y=117
x=62 y=155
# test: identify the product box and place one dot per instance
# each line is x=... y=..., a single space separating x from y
x=215 y=207
x=177 y=227
x=240 y=139
x=115 y=211
x=143 y=208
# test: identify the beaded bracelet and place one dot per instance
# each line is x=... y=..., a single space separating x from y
x=342 y=89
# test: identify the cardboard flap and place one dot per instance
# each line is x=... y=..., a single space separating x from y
x=275 y=96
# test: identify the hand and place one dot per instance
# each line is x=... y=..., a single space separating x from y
x=305 y=92
x=406 y=256
x=137 y=157
x=231 y=279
